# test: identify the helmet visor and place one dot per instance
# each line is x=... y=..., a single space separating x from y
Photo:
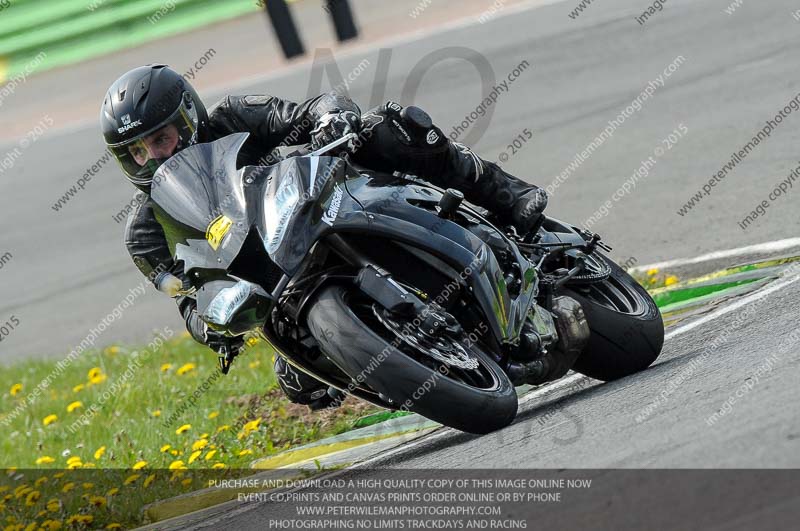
x=142 y=155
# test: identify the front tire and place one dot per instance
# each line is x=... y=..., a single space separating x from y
x=361 y=349
x=627 y=331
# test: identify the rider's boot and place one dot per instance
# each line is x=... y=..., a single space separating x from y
x=404 y=139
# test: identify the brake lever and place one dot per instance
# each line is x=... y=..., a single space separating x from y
x=333 y=145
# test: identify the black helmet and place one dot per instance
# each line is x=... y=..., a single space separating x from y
x=137 y=113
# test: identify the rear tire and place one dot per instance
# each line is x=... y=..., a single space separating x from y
x=627 y=331
x=360 y=352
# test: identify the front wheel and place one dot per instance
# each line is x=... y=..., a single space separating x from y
x=627 y=331
x=459 y=387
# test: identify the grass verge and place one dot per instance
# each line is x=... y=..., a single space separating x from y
x=116 y=417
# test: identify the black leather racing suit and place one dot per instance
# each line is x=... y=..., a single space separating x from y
x=389 y=141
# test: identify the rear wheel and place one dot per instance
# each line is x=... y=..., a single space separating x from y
x=627 y=331
x=452 y=382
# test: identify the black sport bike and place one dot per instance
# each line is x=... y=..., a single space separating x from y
x=393 y=290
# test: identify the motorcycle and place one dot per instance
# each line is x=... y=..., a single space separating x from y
x=393 y=290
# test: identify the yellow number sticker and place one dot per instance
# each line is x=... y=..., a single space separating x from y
x=217 y=230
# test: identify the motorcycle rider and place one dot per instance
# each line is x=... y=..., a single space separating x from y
x=152 y=112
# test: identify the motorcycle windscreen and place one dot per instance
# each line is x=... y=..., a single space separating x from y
x=300 y=202
x=201 y=197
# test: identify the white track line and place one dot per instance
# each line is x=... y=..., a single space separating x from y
x=575 y=378
x=768 y=247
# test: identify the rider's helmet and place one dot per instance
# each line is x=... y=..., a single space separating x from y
x=148 y=115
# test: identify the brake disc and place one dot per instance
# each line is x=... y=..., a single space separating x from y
x=443 y=349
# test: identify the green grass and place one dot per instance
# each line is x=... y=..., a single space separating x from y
x=240 y=417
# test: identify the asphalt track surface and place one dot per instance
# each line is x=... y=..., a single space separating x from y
x=69 y=269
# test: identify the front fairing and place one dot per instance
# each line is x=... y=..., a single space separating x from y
x=208 y=207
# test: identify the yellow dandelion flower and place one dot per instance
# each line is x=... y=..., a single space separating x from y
x=223 y=428
x=74 y=405
x=16 y=389
x=89 y=465
x=32 y=498
x=87 y=486
x=166 y=367
x=97 y=501
x=188 y=367
x=68 y=487
x=22 y=490
x=253 y=341
x=130 y=479
x=53 y=505
x=94 y=372
x=652 y=272
x=254 y=364
x=148 y=480
x=113 y=349
x=49 y=419
x=174 y=452
x=199 y=445
x=245 y=452
x=218 y=465
x=112 y=491
x=45 y=460
x=176 y=465
x=183 y=429
x=139 y=465
x=3 y=488
x=114 y=525
x=194 y=456
x=252 y=425
x=213 y=415
x=165 y=448
x=209 y=455
x=156 y=413
x=51 y=525
x=100 y=378
x=39 y=482
x=78 y=388
x=186 y=482
x=99 y=452
x=670 y=280
x=73 y=459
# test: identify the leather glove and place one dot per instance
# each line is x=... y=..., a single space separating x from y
x=528 y=210
x=200 y=332
x=334 y=125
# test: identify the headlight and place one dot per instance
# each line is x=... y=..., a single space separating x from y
x=226 y=303
x=278 y=208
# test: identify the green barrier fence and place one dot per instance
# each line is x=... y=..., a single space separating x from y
x=36 y=35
